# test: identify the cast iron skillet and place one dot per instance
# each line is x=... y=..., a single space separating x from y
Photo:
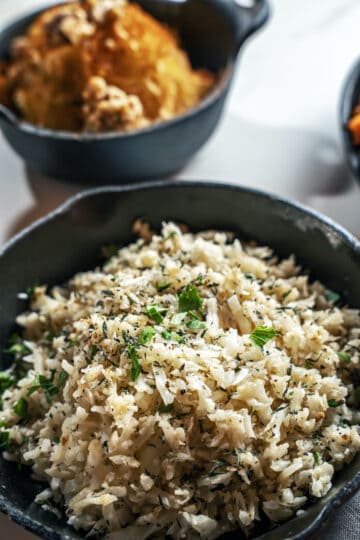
x=350 y=97
x=70 y=239
x=212 y=31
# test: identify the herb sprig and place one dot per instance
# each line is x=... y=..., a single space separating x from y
x=48 y=385
x=262 y=334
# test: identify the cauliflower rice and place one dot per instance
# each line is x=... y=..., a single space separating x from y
x=187 y=388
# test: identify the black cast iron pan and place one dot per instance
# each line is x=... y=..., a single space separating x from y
x=212 y=32
x=70 y=239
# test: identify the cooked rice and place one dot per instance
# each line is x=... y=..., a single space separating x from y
x=191 y=428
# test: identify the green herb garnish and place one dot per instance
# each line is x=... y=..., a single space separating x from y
x=63 y=377
x=48 y=385
x=49 y=336
x=5 y=381
x=155 y=313
x=21 y=408
x=135 y=364
x=4 y=440
x=172 y=336
x=331 y=296
x=286 y=294
x=163 y=287
x=18 y=347
x=261 y=335
x=344 y=357
x=316 y=457
x=189 y=299
x=178 y=318
x=334 y=403
x=72 y=342
x=195 y=324
x=56 y=440
x=147 y=333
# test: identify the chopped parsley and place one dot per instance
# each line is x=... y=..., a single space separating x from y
x=155 y=313
x=163 y=287
x=56 y=440
x=309 y=362
x=48 y=385
x=331 y=296
x=172 y=336
x=286 y=294
x=147 y=333
x=4 y=440
x=5 y=382
x=195 y=324
x=334 y=403
x=344 y=357
x=21 y=409
x=178 y=318
x=71 y=342
x=49 y=336
x=18 y=347
x=135 y=364
x=316 y=457
x=189 y=299
x=62 y=378
x=262 y=334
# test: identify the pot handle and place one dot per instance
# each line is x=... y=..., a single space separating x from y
x=252 y=15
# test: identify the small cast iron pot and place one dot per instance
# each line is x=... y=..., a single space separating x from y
x=69 y=240
x=212 y=32
x=350 y=97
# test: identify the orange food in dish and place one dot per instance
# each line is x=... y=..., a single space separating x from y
x=100 y=65
x=354 y=125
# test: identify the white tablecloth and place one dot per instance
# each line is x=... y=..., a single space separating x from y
x=280 y=133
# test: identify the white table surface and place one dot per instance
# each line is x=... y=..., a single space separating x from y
x=280 y=133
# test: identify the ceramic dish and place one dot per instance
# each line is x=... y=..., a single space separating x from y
x=212 y=32
x=70 y=239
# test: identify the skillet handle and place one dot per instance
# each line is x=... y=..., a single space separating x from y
x=252 y=15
